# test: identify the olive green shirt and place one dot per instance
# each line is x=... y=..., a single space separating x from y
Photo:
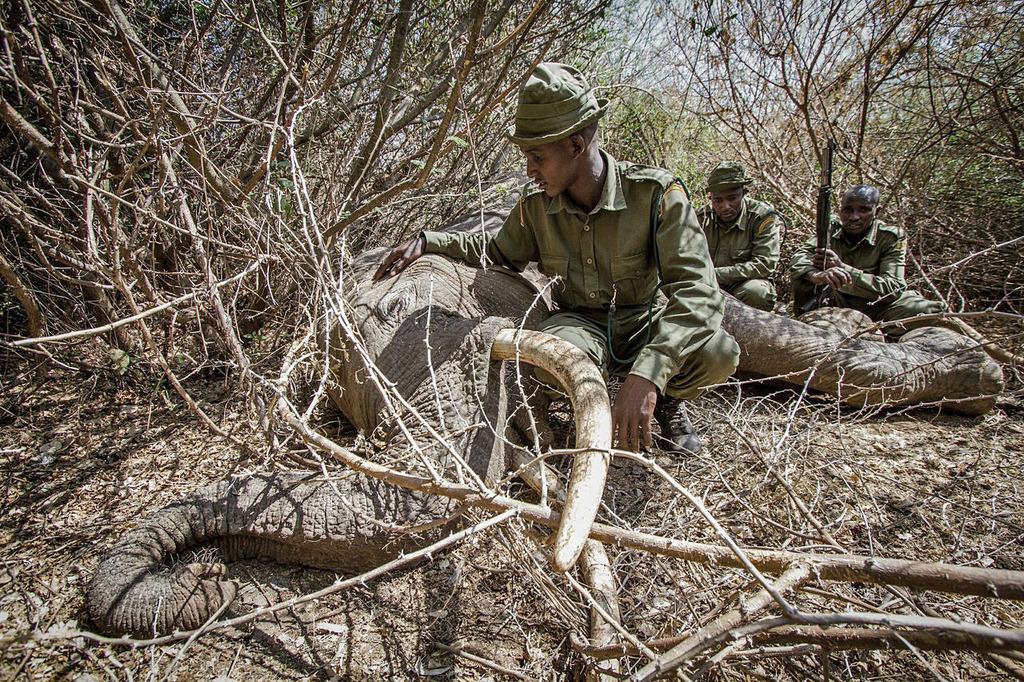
x=608 y=255
x=876 y=261
x=746 y=248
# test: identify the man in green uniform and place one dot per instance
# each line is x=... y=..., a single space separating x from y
x=612 y=233
x=863 y=270
x=743 y=237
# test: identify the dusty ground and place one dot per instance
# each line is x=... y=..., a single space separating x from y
x=83 y=456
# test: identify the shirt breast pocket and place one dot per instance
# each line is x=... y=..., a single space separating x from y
x=554 y=266
x=634 y=278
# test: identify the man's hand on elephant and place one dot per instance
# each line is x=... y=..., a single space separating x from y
x=401 y=257
x=632 y=413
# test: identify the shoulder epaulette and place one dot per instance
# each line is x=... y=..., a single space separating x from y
x=896 y=230
x=529 y=192
x=760 y=215
x=636 y=171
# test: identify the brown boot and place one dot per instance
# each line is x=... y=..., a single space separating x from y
x=677 y=433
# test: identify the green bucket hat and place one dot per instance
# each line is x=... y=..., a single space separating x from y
x=554 y=102
x=727 y=175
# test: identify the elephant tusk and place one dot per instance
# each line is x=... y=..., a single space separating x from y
x=586 y=389
x=595 y=566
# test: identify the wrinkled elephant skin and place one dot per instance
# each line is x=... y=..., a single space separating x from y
x=429 y=331
x=929 y=366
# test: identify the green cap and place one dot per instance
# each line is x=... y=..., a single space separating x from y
x=554 y=102
x=727 y=175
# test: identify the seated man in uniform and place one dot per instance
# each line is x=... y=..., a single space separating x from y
x=588 y=220
x=743 y=237
x=863 y=270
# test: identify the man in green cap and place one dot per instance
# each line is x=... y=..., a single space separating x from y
x=612 y=233
x=863 y=270
x=743 y=237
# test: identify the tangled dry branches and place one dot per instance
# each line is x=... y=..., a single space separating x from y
x=177 y=181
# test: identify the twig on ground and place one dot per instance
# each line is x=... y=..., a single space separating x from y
x=480 y=660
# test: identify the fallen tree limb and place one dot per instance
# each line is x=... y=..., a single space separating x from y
x=828 y=638
x=994 y=351
x=692 y=645
x=1001 y=659
x=986 y=582
x=1010 y=639
x=870 y=638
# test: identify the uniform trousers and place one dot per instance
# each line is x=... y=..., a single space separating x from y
x=712 y=362
x=900 y=306
x=757 y=293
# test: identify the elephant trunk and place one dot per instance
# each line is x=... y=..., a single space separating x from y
x=142 y=587
x=136 y=591
x=586 y=389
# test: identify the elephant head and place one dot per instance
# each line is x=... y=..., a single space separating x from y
x=416 y=363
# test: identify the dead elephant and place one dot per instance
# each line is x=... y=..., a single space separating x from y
x=432 y=333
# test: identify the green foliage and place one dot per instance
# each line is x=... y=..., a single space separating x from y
x=7 y=301
x=120 y=361
x=638 y=128
x=641 y=128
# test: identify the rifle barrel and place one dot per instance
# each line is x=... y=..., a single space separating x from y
x=823 y=210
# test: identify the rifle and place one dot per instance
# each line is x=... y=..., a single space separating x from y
x=823 y=212
x=822 y=224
